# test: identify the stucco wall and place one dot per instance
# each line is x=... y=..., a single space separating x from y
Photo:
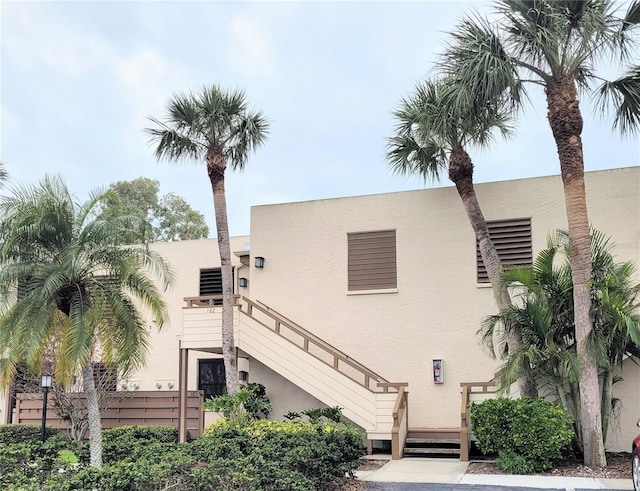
x=437 y=308
x=186 y=259
x=284 y=396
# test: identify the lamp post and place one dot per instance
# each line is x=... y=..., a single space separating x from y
x=46 y=384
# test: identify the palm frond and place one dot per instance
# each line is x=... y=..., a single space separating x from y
x=622 y=96
x=477 y=57
x=62 y=251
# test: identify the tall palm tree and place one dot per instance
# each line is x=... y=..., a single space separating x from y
x=77 y=289
x=217 y=127
x=431 y=136
x=555 y=45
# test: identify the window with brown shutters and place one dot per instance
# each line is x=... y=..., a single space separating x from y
x=210 y=282
x=512 y=240
x=372 y=260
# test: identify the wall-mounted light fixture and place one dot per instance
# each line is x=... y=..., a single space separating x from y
x=259 y=262
x=243 y=282
x=158 y=385
x=243 y=376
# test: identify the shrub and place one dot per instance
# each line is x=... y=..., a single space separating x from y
x=27 y=462
x=247 y=403
x=514 y=464
x=287 y=456
x=132 y=443
x=533 y=429
x=14 y=433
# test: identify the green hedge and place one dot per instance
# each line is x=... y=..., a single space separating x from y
x=279 y=455
x=13 y=433
x=528 y=435
x=259 y=455
x=133 y=443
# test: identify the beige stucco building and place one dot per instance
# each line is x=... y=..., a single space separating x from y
x=384 y=287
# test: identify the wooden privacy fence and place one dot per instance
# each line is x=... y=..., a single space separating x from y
x=155 y=408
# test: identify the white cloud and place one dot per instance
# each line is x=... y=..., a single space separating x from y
x=251 y=51
x=148 y=81
x=35 y=38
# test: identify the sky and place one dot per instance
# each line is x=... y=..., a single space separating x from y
x=79 y=80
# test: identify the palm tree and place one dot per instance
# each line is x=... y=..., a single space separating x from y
x=76 y=290
x=214 y=126
x=616 y=317
x=544 y=318
x=555 y=44
x=431 y=135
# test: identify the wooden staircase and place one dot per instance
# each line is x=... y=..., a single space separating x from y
x=441 y=442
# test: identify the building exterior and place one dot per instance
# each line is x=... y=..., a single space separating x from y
x=387 y=288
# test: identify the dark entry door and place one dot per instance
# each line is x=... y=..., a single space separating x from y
x=211 y=377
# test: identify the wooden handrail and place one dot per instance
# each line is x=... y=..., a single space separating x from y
x=399 y=415
x=392 y=385
x=308 y=339
x=469 y=388
x=208 y=301
x=271 y=312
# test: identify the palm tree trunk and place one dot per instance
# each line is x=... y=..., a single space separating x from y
x=461 y=174
x=574 y=393
x=93 y=410
x=607 y=395
x=565 y=120
x=216 y=165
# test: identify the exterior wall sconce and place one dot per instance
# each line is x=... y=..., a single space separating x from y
x=438 y=372
x=46 y=383
x=243 y=376
x=243 y=282
x=259 y=262
x=170 y=385
x=158 y=385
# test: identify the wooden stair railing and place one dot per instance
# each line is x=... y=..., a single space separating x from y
x=400 y=427
x=208 y=301
x=469 y=388
x=370 y=380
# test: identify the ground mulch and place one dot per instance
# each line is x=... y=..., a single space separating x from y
x=618 y=467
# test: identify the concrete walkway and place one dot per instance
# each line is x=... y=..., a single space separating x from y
x=452 y=471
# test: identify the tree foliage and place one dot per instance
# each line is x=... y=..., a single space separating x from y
x=557 y=45
x=67 y=282
x=543 y=316
x=215 y=127
x=169 y=216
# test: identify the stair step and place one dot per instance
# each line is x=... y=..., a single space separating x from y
x=434 y=433
x=432 y=450
x=419 y=441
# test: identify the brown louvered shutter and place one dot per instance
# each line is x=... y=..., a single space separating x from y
x=372 y=260
x=210 y=282
x=512 y=240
